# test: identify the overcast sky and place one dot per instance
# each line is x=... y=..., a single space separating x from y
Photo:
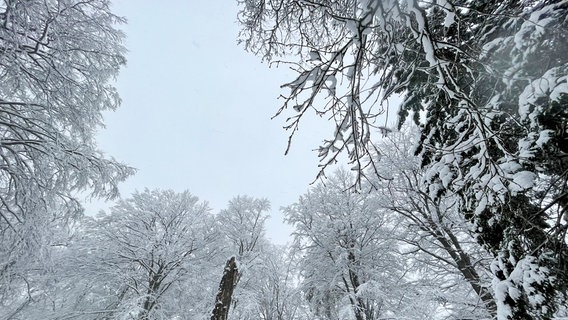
x=196 y=111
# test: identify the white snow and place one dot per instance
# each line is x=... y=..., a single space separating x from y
x=543 y=138
x=450 y=14
x=522 y=180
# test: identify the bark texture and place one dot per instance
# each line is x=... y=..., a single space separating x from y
x=226 y=288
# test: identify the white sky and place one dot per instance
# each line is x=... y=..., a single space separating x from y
x=196 y=111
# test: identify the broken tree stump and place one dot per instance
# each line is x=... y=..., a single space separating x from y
x=225 y=293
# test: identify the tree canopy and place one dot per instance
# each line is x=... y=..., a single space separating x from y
x=485 y=81
x=58 y=60
x=452 y=114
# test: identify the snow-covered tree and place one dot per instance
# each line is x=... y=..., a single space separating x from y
x=158 y=239
x=242 y=223
x=349 y=262
x=277 y=294
x=57 y=61
x=40 y=274
x=242 y=228
x=438 y=240
x=267 y=291
x=490 y=78
x=150 y=258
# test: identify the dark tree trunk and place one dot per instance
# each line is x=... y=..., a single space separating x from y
x=226 y=287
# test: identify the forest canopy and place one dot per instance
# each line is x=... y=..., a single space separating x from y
x=452 y=202
x=487 y=84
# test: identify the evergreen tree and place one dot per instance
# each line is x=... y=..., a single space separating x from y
x=489 y=79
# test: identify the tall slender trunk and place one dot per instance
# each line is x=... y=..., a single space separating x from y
x=463 y=262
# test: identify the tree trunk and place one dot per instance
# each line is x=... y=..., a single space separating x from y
x=226 y=287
